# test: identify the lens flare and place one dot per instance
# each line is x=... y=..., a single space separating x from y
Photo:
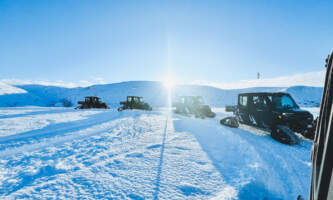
x=169 y=83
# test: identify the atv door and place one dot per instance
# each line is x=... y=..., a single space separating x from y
x=242 y=112
x=260 y=111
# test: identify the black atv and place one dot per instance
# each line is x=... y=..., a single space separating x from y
x=134 y=102
x=193 y=105
x=91 y=102
x=277 y=112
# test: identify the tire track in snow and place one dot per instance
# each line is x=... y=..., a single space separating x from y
x=31 y=113
x=188 y=172
x=120 y=159
x=278 y=160
x=61 y=128
x=251 y=162
x=85 y=157
x=60 y=139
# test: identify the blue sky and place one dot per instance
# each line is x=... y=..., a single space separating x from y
x=215 y=41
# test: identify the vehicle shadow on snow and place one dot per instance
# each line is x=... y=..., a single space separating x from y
x=159 y=169
x=255 y=165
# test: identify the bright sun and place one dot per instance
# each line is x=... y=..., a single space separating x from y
x=169 y=83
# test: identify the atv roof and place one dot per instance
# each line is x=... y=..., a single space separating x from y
x=135 y=96
x=190 y=96
x=262 y=93
x=92 y=97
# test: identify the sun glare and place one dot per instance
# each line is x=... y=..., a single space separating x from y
x=169 y=83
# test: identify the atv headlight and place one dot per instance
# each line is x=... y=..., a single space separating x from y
x=286 y=115
x=279 y=116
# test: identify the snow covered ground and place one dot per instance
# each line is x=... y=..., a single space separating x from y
x=62 y=153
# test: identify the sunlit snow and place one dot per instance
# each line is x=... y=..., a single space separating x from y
x=63 y=153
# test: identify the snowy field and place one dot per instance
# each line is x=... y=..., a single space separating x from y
x=62 y=153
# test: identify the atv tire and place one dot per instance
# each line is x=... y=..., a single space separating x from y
x=230 y=121
x=284 y=135
x=308 y=133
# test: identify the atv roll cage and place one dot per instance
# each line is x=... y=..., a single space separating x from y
x=275 y=112
x=92 y=99
x=134 y=99
x=134 y=102
x=91 y=102
x=193 y=105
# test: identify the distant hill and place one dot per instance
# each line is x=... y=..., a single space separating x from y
x=153 y=92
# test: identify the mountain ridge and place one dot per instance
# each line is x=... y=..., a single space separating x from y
x=153 y=92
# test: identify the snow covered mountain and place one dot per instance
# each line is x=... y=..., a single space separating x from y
x=8 y=89
x=153 y=92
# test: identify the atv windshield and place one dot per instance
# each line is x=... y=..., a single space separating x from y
x=137 y=100
x=199 y=100
x=284 y=102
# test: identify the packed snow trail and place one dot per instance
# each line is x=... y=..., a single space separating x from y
x=105 y=154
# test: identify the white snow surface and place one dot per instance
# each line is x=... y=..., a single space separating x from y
x=58 y=153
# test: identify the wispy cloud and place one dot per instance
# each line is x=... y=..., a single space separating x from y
x=59 y=83
x=304 y=79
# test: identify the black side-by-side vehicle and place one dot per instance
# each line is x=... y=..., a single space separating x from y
x=134 y=102
x=193 y=105
x=277 y=112
x=91 y=102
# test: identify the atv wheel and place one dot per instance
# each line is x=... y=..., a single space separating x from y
x=284 y=135
x=230 y=121
x=211 y=115
x=199 y=115
x=308 y=133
